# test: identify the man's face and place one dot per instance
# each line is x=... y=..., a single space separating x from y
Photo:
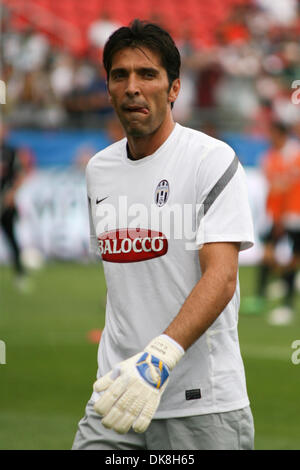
x=139 y=90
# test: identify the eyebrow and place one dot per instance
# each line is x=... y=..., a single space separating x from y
x=140 y=70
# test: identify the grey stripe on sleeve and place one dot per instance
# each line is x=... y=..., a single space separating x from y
x=220 y=184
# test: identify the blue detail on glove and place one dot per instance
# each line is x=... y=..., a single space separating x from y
x=144 y=368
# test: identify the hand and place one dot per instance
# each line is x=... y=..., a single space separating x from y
x=133 y=389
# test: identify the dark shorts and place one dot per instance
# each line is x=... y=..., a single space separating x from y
x=271 y=236
x=294 y=237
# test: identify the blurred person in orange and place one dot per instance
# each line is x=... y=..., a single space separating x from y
x=291 y=223
x=274 y=165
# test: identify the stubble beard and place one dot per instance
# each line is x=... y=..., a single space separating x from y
x=141 y=129
x=135 y=129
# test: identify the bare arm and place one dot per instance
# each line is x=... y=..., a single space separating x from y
x=219 y=265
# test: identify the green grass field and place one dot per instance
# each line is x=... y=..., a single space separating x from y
x=51 y=365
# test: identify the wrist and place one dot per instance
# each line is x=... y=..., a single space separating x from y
x=166 y=349
x=173 y=341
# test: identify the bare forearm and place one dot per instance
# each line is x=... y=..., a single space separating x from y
x=202 y=307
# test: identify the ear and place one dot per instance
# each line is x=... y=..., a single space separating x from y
x=174 y=91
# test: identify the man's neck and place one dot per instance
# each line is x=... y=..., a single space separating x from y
x=140 y=147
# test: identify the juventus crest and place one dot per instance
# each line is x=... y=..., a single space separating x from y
x=162 y=193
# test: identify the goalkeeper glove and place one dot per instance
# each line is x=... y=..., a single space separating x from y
x=133 y=388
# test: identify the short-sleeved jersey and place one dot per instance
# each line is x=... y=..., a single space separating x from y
x=292 y=197
x=273 y=166
x=280 y=170
x=291 y=206
x=149 y=217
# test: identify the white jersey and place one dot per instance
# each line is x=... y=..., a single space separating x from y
x=148 y=219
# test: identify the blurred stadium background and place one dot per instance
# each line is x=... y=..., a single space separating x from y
x=241 y=64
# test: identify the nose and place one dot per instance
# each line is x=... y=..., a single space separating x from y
x=132 y=88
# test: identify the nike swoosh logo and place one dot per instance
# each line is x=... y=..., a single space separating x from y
x=100 y=200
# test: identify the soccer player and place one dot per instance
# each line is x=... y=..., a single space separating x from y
x=11 y=178
x=169 y=214
x=284 y=314
x=279 y=166
x=273 y=169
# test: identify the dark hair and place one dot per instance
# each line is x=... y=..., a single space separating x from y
x=150 y=35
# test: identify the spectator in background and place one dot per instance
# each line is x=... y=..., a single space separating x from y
x=34 y=51
x=100 y=30
x=26 y=51
x=62 y=75
x=280 y=11
x=291 y=58
x=88 y=100
x=234 y=30
x=11 y=178
x=186 y=100
x=240 y=63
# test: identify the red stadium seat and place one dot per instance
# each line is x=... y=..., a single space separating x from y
x=202 y=17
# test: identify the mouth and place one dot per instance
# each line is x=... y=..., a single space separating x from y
x=135 y=109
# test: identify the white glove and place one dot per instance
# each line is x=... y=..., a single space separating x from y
x=133 y=388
